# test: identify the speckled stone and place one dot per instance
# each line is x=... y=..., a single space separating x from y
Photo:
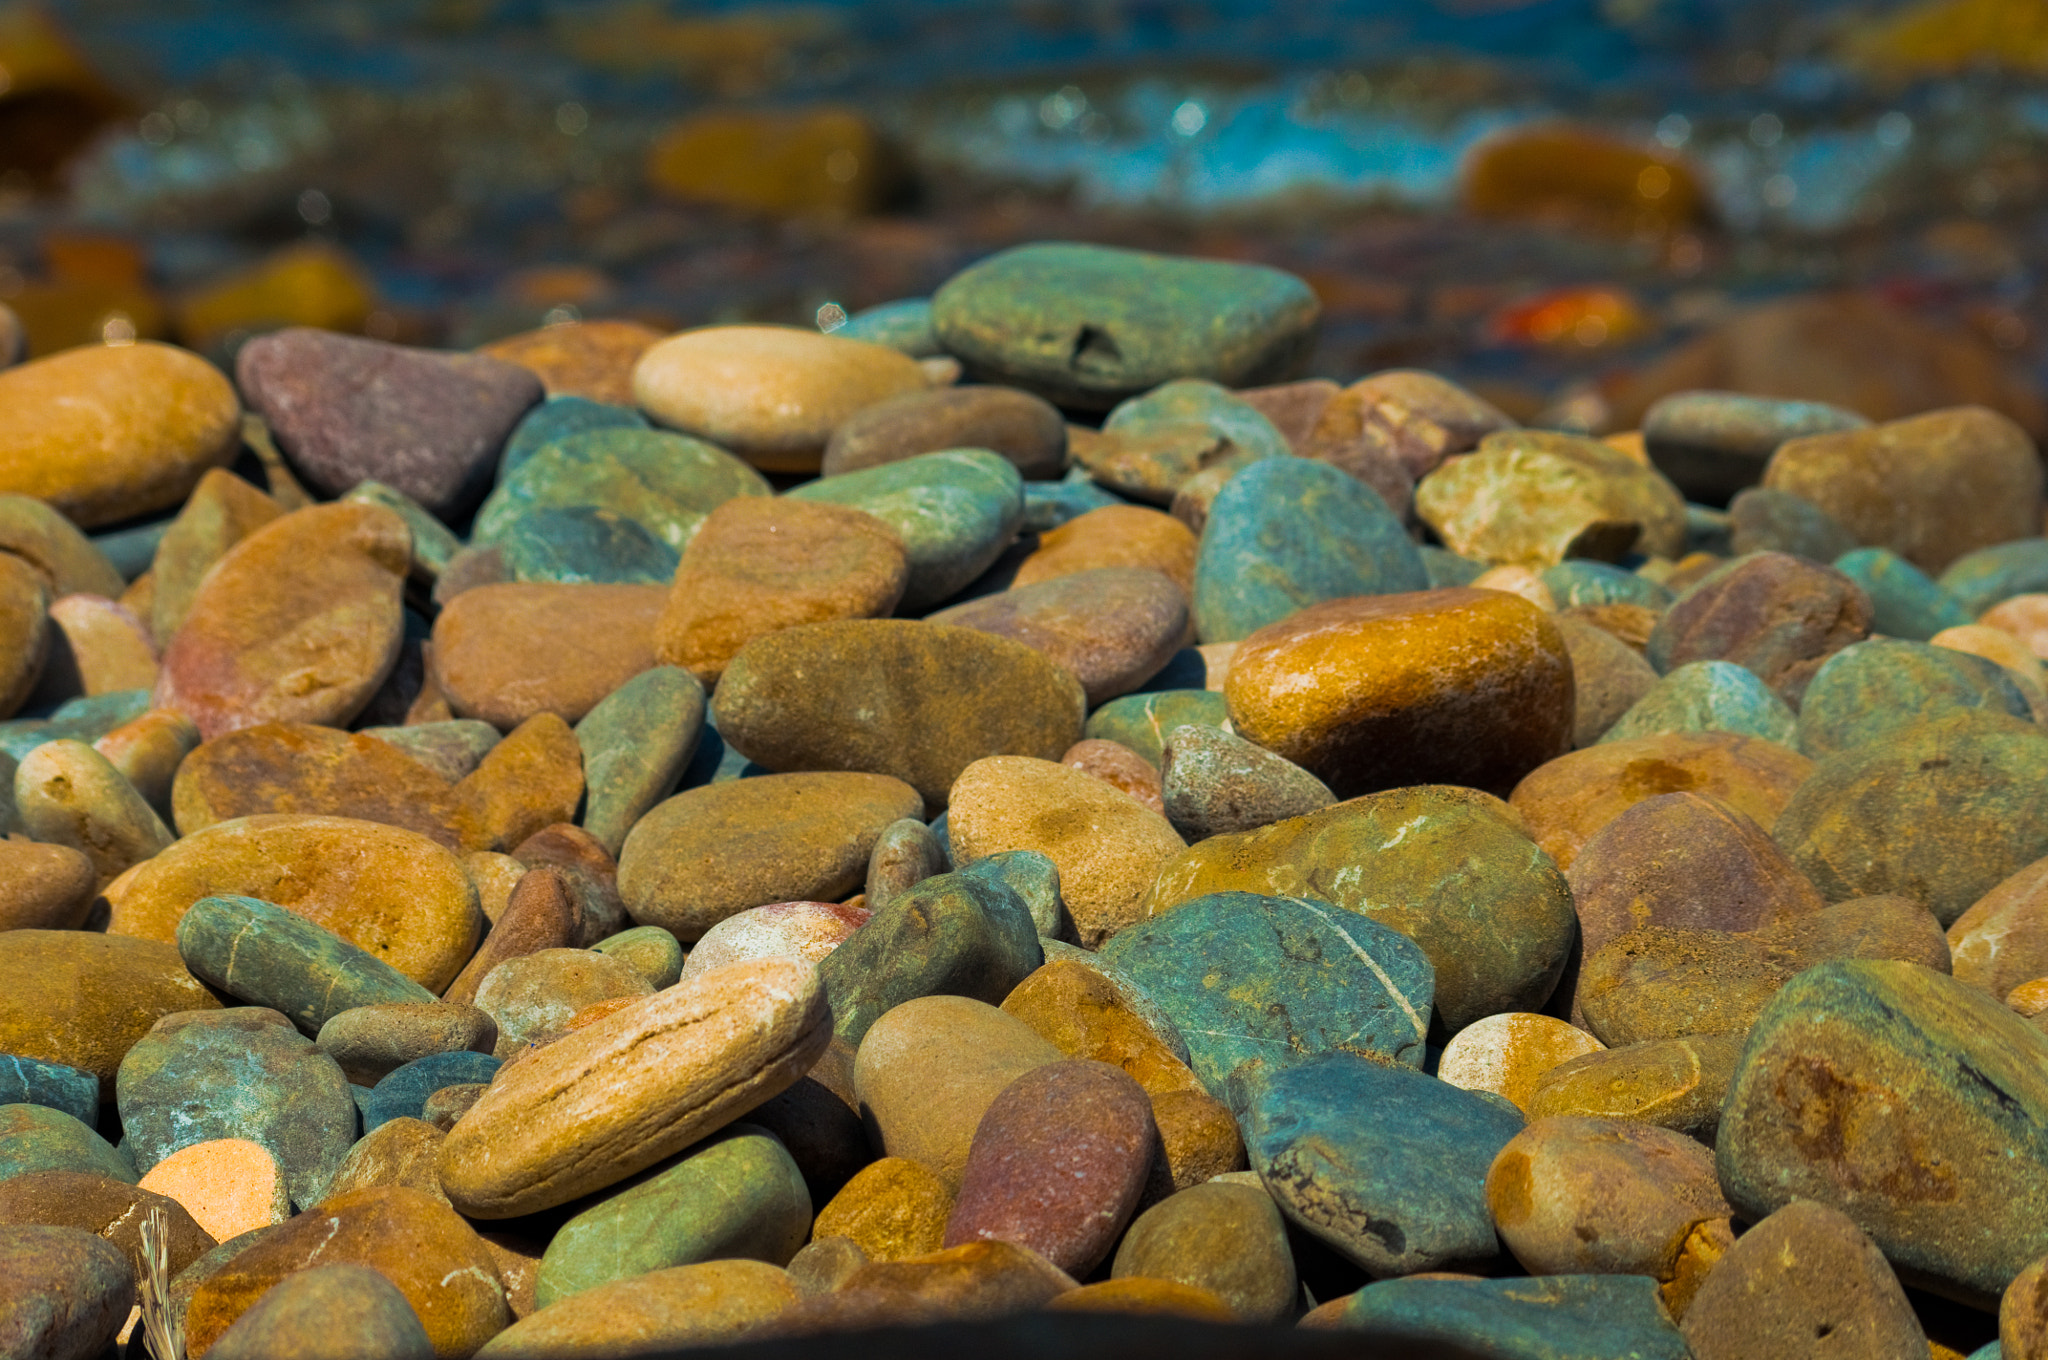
x=66 y=793
x=32 y=1081
x=1875 y=689
x=1354 y=854
x=1608 y=677
x=532 y=997
x=567 y=545
x=402 y=1151
x=930 y=687
x=1142 y=722
x=1557 y=1317
x=310 y=769
x=503 y=653
x=1477 y=690
x=1026 y=429
x=1533 y=498
x=1708 y=696
x=40 y=1139
x=905 y=855
x=893 y=1208
x=1509 y=1053
x=1675 y=1084
x=1216 y=783
x=664 y=483
x=1088 y=325
x=977 y=1282
x=1776 y=615
x=1113 y=628
x=1119 y=767
x=1227 y=1239
x=955 y=512
x=83 y=999
x=636 y=743
x=327 y=1312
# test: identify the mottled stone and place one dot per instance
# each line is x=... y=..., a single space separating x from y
x=1584 y=582
x=221 y=512
x=371 y=1041
x=561 y=417
x=709 y=1303
x=1216 y=783
x=1533 y=498
x=1981 y=579
x=303 y=768
x=1873 y=690
x=1714 y=444
x=1943 y=1089
x=104 y=433
x=1023 y=428
x=636 y=742
x=893 y=1208
x=83 y=999
x=37 y=1138
x=1709 y=696
x=531 y=780
x=1227 y=1239
x=267 y=956
x=392 y=893
x=590 y=360
x=1566 y=802
x=1089 y=325
x=772 y=394
x=541 y=913
x=1382 y=857
x=1113 y=536
x=25 y=631
x=1608 y=677
x=1142 y=722
x=532 y=996
x=228 y=1186
x=1477 y=691
x=402 y=1151
x=1509 y=1053
x=662 y=484
x=344 y=408
x=1675 y=1084
x=1557 y=1317
x=617 y=1096
x=64 y=1293
x=66 y=793
x=1763 y=519
x=978 y=1282
x=650 y=951
x=1120 y=767
x=930 y=687
x=58 y=1086
x=592 y=876
x=1113 y=628
x=300 y=621
x=1905 y=602
x=327 y=1312
x=503 y=653
x=803 y=930
x=403 y=1092
x=1776 y=615
x=1931 y=487
x=905 y=855
x=97 y=646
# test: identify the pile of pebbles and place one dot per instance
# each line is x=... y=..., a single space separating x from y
x=1012 y=805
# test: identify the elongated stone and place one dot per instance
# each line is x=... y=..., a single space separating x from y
x=268 y=956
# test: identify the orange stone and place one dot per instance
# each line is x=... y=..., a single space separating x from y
x=891 y=1209
x=1119 y=767
x=1114 y=536
x=503 y=653
x=530 y=780
x=229 y=1185
x=221 y=511
x=1149 y=1297
x=304 y=768
x=99 y=647
x=589 y=359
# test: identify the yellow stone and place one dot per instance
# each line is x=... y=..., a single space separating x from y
x=892 y=1208
x=310 y=284
x=815 y=162
x=1508 y=1054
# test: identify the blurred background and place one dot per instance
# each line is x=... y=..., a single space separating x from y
x=1574 y=206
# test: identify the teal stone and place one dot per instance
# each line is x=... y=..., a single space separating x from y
x=433 y=542
x=1551 y=1317
x=1708 y=696
x=650 y=951
x=955 y=510
x=1277 y=981
x=1034 y=878
x=1446 y=568
x=1384 y=1164
x=1869 y=690
x=1979 y=580
x=1942 y=812
x=904 y=325
x=557 y=419
x=1708 y=530
x=1287 y=533
x=1914 y=1103
x=1048 y=505
x=1581 y=581
x=451 y=749
x=131 y=551
x=402 y=1092
x=579 y=544
x=31 y=1081
x=1086 y=326
x=267 y=956
x=1129 y=994
x=960 y=934
x=636 y=744
x=1143 y=722
x=240 y=1073
x=36 y=1137
x=737 y=1196
x=85 y=720
x=1765 y=519
x=665 y=482
x=1990 y=1350
x=1190 y=401
x=1906 y=601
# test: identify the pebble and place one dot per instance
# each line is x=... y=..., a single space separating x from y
x=113 y=1209
x=712 y=852
x=1141 y=722
x=221 y=511
x=709 y=1303
x=66 y=793
x=1216 y=783
x=1478 y=690
x=1112 y=628
x=148 y=751
x=1905 y=601
x=503 y=653
x=1509 y=1053
x=771 y=394
x=1555 y=1317
x=371 y=1041
x=803 y=930
x=1763 y=519
x=636 y=743
x=650 y=951
x=1608 y=678
x=1779 y=616
x=587 y=360
x=1932 y=488
x=1873 y=690
x=267 y=956
x=1709 y=696
x=24 y=631
x=1086 y=326
x=782 y=699
x=64 y=1292
x=83 y=999
x=977 y=1282
x=906 y=854
x=737 y=1196
x=228 y=1185
x=1116 y=535
x=1534 y=498
x=559 y=418
x=298 y=622
x=105 y=433
x=306 y=768
x=892 y=1209
x=98 y=646
x=955 y=511
x=401 y=1152
x=1025 y=429
x=1120 y=767
x=1676 y=1084
x=31 y=1081
x=44 y=887
x=1998 y=943
x=1981 y=579
x=1380 y=858
x=39 y=1138
x=617 y=1096
x=327 y=1312
x=1229 y=1240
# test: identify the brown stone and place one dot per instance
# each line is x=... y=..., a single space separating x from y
x=1629 y=624
x=1415 y=417
x=1567 y=801
x=758 y=565
x=493 y=876
x=96 y=647
x=1145 y=1298
x=592 y=873
x=1448 y=686
x=2001 y=941
x=389 y=891
x=590 y=359
x=149 y=751
x=905 y=855
x=893 y=1208
x=371 y=1042
x=1078 y=1011
x=413 y=1240
x=1608 y=676
x=84 y=999
x=503 y=653
x=518 y=1259
x=63 y=1292
x=1675 y=1084
x=1225 y=1239
x=1777 y=615
x=221 y=512
x=44 y=887
x=1804 y=1281
x=978 y=1281
x=1114 y=628
x=541 y=914
x=533 y=996
x=1106 y=845
x=105 y=1208
x=300 y=621
x=531 y=780
x=1026 y=429
x=709 y=1303
x=107 y=432
x=402 y=1152
x=308 y=769
x=1113 y=536
x=1931 y=487
x=24 y=631
x=1119 y=767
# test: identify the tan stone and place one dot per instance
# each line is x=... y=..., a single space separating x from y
x=540 y=914
x=803 y=930
x=892 y=1209
x=106 y=432
x=402 y=1152
x=221 y=512
x=978 y=1281
x=391 y=892
x=1509 y=1053
x=44 y=887
x=69 y=794
x=1114 y=536
x=616 y=1097
x=503 y=653
x=706 y=1304
x=770 y=394
x=99 y=647
x=1520 y=581
x=2023 y=616
x=84 y=999
x=1112 y=628
x=106 y=1208
x=536 y=996
x=229 y=1185
x=494 y=876
x=591 y=359
x=56 y=548
x=1533 y=498
x=149 y=751
x=24 y=631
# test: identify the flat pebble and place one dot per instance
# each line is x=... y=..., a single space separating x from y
x=503 y=653
x=267 y=956
x=1708 y=696
x=1675 y=1084
x=954 y=511
x=1112 y=536
x=83 y=999
x=1556 y=1317
x=1533 y=498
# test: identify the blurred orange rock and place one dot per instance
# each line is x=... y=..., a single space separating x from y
x=826 y=161
x=1947 y=37
x=54 y=102
x=591 y=359
x=66 y=313
x=313 y=284
x=1583 y=177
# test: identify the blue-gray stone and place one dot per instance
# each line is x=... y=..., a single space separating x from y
x=403 y=1092
x=1048 y=505
x=1905 y=600
x=1580 y=581
x=1278 y=981
x=904 y=325
x=556 y=419
x=133 y=550
x=31 y=1081
x=1287 y=533
x=578 y=544
x=1766 y=519
x=85 y=720
x=1383 y=1163
x=1981 y=579
x=1551 y=1317
x=1193 y=402
x=1445 y=568
x=1708 y=696
x=1870 y=690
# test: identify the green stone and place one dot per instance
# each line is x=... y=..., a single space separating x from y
x=451 y=749
x=85 y=720
x=1870 y=690
x=39 y=1138
x=267 y=956
x=1087 y=326
x=1708 y=696
x=1906 y=601
x=955 y=510
x=1143 y=722
x=636 y=744
x=1766 y=519
x=904 y=325
x=1446 y=568
x=584 y=544
x=665 y=482
x=1551 y=1317
x=557 y=419
x=737 y=1196
x=1583 y=582
x=650 y=951
x=1981 y=579
x=1190 y=401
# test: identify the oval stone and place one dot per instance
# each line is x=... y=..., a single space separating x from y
x=299 y=622
x=37 y=1138
x=328 y=1310
x=371 y=1041
x=1676 y=1084
x=1905 y=601
x=1026 y=429
x=1454 y=686
x=66 y=793
x=64 y=1292
x=893 y=1208
x=931 y=690
x=1533 y=498
x=1608 y=677
x=1776 y=615
x=711 y=1303
x=84 y=999
x=503 y=653
x=2002 y=940
x=631 y=495
x=955 y=512
x=1871 y=690
x=1216 y=783
x=307 y=769
x=108 y=432
x=636 y=743
x=1509 y=1053
x=1113 y=536
x=268 y=956
x=1225 y=1238
x=804 y=930
x=1708 y=696
x=1114 y=628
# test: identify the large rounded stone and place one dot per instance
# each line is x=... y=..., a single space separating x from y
x=1779 y=616
x=1226 y=1238
x=372 y=1041
x=932 y=691
x=308 y=769
x=114 y=1209
x=804 y=930
x=66 y=793
x=1449 y=686
x=1215 y=783
x=327 y=1312
x=299 y=622
x=24 y=631
x=1113 y=628
x=1708 y=696
x=711 y=852
x=84 y=999
x=1870 y=690
x=1608 y=677
x=503 y=653
x=108 y=432
x=1509 y=1053
x=37 y=1138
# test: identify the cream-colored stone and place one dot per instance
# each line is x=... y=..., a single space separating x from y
x=1508 y=1054
x=229 y=1185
